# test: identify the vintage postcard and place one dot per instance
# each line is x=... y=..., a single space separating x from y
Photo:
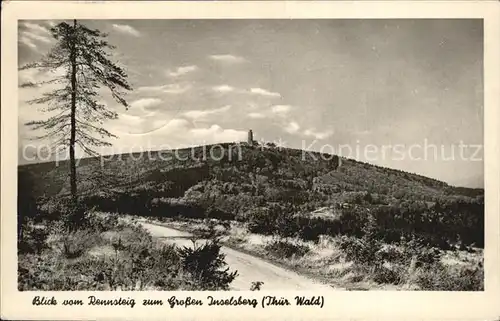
x=277 y=160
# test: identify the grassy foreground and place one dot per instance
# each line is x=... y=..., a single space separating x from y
x=110 y=254
x=355 y=264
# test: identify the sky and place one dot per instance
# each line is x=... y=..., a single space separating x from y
x=308 y=84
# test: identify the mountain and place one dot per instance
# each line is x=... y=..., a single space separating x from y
x=259 y=184
x=271 y=172
x=238 y=176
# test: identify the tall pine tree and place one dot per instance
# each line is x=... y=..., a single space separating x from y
x=82 y=54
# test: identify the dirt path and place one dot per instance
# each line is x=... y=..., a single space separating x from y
x=250 y=268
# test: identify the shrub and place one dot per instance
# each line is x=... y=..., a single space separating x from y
x=392 y=254
x=260 y=221
x=275 y=219
x=442 y=278
x=145 y=265
x=74 y=219
x=132 y=238
x=310 y=228
x=212 y=229
x=206 y=264
x=213 y=212
x=139 y=266
x=393 y=274
x=34 y=239
x=72 y=214
x=352 y=221
x=90 y=273
x=75 y=244
x=360 y=251
x=424 y=255
x=53 y=208
x=256 y=285
x=286 y=249
x=37 y=272
x=101 y=223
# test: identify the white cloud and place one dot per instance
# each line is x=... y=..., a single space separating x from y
x=27 y=75
x=197 y=114
x=227 y=58
x=139 y=113
x=34 y=32
x=182 y=70
x=175 y=133
x=145 y=102
x=223 y=88
x=292 y=127
x=176 y=88
x=126 y=29
x=169 y=89
x=36 y=28
x=130 y=118
x=256 y=115
x=144 y=133
x=280 y=109
x=34 y=76
x=216 y=134
x=27 y=42
x=318 y=135
x=35 y=36
x=264 y=92
x=151 y=88
x=171 y=126
x=50 y=23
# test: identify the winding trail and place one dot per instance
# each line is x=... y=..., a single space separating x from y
x=250 y=268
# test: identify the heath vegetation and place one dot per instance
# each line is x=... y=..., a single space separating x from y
x=390 y=226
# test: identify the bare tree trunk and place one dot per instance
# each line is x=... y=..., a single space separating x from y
x=73 y=118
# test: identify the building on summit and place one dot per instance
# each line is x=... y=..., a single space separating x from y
x=250 y=137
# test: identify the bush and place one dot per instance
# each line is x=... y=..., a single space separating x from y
x=212 y=229
x=360 y=251
x=442 y=278
x=140 y=264
x=310 y=228
x=352 y=221
x=54 y=208
x=275 y=219
x=213 y=212
x=256 y=285
x=423 y=254
x=75 y=244
x=260 y=221
x=101 y=223
x=409 y=261
x=34 y=239
x=206 y=264
x=393 y=254
x=75 y=218
x=393 y=274
x=285 y=249
x=39 y=273
x=144 y=265
x=406 y=251
x=155 y=270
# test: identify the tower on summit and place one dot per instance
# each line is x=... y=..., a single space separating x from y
x=250 y=137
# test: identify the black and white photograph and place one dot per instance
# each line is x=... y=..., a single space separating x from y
x=250 y=155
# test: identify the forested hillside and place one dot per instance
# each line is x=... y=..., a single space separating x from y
x=307 y=194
